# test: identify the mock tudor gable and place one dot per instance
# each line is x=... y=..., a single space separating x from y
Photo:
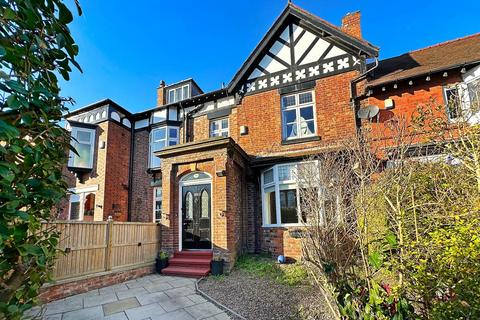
x=297 y=48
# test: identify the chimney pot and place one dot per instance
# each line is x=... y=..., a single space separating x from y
x=351 y=24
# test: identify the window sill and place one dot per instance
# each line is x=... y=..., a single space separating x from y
x=301 y=140
x=286 y=225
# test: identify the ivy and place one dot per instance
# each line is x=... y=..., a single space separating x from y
x=35 y=48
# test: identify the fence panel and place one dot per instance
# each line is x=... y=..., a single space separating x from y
x=134 y=243
x=92 y=247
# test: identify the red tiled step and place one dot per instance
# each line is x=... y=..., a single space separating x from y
x=193 y=272
x=188 y=261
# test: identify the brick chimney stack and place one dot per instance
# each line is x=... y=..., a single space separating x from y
x=351 y=24
x=161 y=94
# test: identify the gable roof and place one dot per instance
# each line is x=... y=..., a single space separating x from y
x=311 y=20
x=437 y=58
x=97 y=104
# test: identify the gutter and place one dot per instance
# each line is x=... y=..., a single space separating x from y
x=353 y=93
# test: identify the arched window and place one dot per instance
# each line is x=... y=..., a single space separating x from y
x=189 y=205
x=197 y=175
x=205 y=204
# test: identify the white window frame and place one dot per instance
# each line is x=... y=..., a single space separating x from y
x=174 y=93
x=445 y=97
x=167 y=140
x=155 y=198
x=74 y=140
x=82 y=197
x=297 y=106
x=218 y=132
x=464 y=102
x=276 y=183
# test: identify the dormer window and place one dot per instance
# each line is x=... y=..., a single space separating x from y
x=83 y=140
x=178 y=94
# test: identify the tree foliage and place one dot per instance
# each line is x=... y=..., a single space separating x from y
x=35 y=47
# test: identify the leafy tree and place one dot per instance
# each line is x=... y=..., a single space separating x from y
x=35 y=47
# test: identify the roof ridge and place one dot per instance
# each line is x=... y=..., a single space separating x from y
x=444 y=42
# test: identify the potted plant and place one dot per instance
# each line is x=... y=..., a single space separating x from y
x=162 y=261
x=217 y=266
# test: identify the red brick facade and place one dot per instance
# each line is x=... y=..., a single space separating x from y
x=255 y=143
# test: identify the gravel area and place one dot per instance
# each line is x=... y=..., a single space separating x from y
x=256 y=297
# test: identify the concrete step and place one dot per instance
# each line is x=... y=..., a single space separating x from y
x=192 y=272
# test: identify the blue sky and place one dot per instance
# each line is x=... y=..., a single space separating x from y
x=127 y=47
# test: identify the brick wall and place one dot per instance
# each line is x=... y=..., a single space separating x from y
x=261 y=113
x=115 y=203
x=407 y=99
x=142 y=192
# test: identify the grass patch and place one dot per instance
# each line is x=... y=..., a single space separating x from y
x=264 y=266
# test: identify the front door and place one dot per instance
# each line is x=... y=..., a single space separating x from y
x=196 y=217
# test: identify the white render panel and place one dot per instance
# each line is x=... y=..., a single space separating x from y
x=334 y=52
x=285 y=34
x=303 y=44
x=255 y=74
x=471 y=74
x=209 y=106
x=225 y=102
x=316 y=52
x=160 y=115
x=141 y=123
x=281 y=51
x=172 y=114
x=271 y=65
x=296 y=31
x=115 y=116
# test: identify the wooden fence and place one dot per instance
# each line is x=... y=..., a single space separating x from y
x=93 y=247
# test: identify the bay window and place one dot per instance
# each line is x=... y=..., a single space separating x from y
x=280 y=196
x=160 y=138
x=298 y=116
x=83 y=140
x=292 y=196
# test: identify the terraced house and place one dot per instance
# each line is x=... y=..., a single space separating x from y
x=216 y=169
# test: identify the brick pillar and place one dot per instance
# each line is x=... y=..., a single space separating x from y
x=351 y=24
x=161 y=94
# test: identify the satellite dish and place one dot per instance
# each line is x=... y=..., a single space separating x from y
x=368 y=112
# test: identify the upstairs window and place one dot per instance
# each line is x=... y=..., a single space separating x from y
x=298 y=116
x=452 y=101
x=178 y=94
x=219 y=128
x=83 y=140
x=160 y=138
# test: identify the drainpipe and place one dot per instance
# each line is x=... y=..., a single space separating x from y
x=353 y=93
x=130 y=173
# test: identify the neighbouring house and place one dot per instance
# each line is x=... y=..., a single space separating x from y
x=216 y=169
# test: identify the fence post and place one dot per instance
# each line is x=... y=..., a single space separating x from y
x=108 y=248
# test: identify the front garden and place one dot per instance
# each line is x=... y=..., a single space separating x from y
x=260 y=288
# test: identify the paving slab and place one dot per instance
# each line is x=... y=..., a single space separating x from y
x=144 y=312
x=176 y=303
x=121 y=305
x=175 y=315
x=92 y=301
x=203 y=310
x=150 y=298
x=92 y=313
x=153 y=297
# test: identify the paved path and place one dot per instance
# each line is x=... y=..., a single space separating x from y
x=153 y=297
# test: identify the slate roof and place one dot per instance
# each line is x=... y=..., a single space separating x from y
x=437 y=58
